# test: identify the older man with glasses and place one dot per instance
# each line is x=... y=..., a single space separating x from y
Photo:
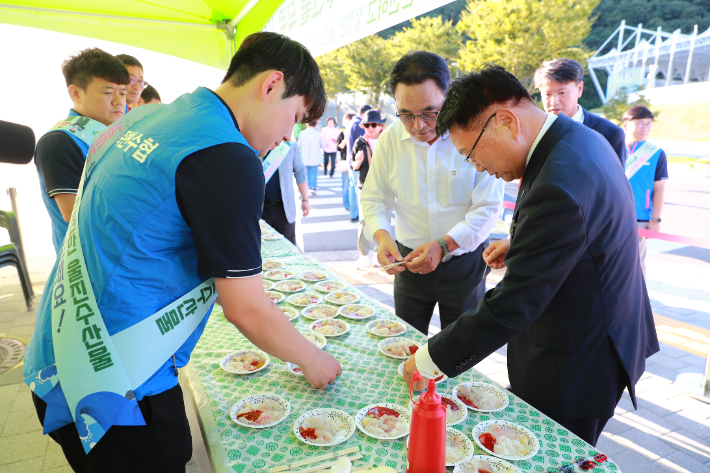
x=445 y=209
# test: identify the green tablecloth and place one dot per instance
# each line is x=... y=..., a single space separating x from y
x=368 y=377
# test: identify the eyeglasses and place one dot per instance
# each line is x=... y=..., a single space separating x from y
x=468 y=158
x=134 y=81
x=368 y=125
x=410 y=117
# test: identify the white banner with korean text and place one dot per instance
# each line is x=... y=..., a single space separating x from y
x=325 y=25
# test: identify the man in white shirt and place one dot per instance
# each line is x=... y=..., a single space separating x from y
x=311 y=143
x=444 y=208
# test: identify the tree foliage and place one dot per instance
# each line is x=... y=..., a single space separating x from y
x=619 y=103
x=367 y=63
x=334 y=76
x=519 y=34
x=428 y=34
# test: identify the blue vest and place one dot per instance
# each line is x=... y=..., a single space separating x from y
x=143 y=254
x=642 y=186
x=59 y=225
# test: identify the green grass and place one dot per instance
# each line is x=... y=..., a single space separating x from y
x=688 y=122
x=681 y=159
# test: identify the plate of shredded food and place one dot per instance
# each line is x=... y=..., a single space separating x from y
x=456 y=411
x=266 y=230
x=458 y=447
x=305 y=299
x=356 y=311
x=313 y=276
x=290 y=285
x=506 y=439
x=319 y=312
x=272 y=236
x=275 y=297
x=267 y=284
x=269 y=265
x=398 y=347
x=245 y=361
x=330 y=327
x=342 y=297
x=294 y=369
x=329 y=286
x=289 y=312
x=480 y=396
x=324 y=427
x=384 y=421
x=278 y=274
x=486 y=464
x=315 y=338
x=260 y=410
x=386 y=328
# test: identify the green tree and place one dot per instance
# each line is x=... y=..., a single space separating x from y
x=428 y=34
x=615 y=107
x=368 y=63
x=334 y=77
x=519 y=34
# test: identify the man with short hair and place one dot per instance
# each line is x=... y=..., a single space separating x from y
x=444 y=209
x=311 y=143
x=572 y=306
x=149 y=95
x=342 y=143
x=647 y=171
x=167 y=219
x=96 y=82
x=352 y=133
x=137 y=84
x=561 y=83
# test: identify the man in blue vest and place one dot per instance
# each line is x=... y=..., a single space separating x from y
x=96 y=82
x=166 y=219
x=647 y=171
x=135 y=87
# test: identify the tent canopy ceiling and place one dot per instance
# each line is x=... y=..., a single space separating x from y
x=197 y=30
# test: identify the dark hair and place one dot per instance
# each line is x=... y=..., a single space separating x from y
x=349 y=115
x=129 y=60
x=471 y=95
x=417 y=67
x=313 y=123
x=80 y=69
x=265 y=51
x=365 y=108
x=637 y=112
x=560 y=70
x=331 y=118
x=149 y=93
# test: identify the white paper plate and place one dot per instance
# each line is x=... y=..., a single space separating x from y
x=316 y=338
x=481 y=428
x=498 y=465
x=290 y=312
x=370 y=326
x=255 y=400
x=391 y=341
x=269 y=265
x=276 y=297
x=272 y=236
x=404 y=414
x=329 y=286
x=268 y=285
x=313 y=275
x=347 y=421
x=499 y=393
x=458 y=417
x=279 y=274
x=292 y=369
x=351 y=296
x=282 y=286
x=340 y=323
x=227 y=359
x=295 y=297
x=341 y=311
x=306 y=312
x=467 y=445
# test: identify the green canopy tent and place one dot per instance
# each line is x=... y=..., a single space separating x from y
x=203 y=31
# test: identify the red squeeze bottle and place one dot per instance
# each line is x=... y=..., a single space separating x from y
x=427 y=435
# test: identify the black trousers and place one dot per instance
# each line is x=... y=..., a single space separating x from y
x=274 y=214
x=456 y=286
x=328 y=157
x=164 y=444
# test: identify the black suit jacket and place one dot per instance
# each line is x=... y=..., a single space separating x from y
x=573 y=305
x=613 y=134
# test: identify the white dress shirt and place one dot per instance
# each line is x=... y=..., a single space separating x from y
x=432 y=191
x=578 y=115
x=425 y=365
x=311 y=143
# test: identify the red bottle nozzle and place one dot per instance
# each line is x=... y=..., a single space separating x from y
x=416 y=376
x=429 y=400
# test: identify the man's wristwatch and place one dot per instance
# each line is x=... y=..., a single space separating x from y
x=445 y=253
x=657 y=219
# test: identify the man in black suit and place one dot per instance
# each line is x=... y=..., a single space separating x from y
x=573 y=305
x=561 y=83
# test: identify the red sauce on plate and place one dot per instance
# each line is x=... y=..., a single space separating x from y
x=257 y=364
x=380 y=411
x=436 y=380
x=413 y=349
x=309 y=433
x=450 y=403
x=466 y=400
x=482 y=470
x=251 y=416
x=297 y=370
x=488 y=441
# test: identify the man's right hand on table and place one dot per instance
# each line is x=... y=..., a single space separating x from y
x=494 y=255
x=388 y=252
x=320 y=369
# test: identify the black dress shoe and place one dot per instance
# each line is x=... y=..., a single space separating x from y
x=355 y=219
